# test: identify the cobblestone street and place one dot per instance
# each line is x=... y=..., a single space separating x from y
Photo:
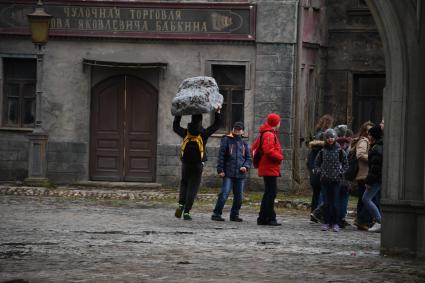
x=45 y=239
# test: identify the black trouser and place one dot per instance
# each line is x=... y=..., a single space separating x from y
x=331 y=194
x=315 y=185
x=189 y=185
x=267 y=212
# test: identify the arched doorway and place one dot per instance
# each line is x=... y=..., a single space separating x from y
x=123 y=133
x=402 y=27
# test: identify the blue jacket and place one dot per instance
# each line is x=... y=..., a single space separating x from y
x=234 y=153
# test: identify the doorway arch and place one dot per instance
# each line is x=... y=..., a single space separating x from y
x=401 y=27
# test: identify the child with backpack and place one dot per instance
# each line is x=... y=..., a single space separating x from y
x=331 y=163
x=315 y=145
x=193 y=156
x=234 y=161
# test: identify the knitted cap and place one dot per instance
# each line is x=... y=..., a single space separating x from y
x=273 y=119
x=341 y=130
x=330 y=133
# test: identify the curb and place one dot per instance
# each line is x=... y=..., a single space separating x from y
x=125 y=194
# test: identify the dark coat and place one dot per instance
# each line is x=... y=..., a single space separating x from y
x=233 y=154
x=315 y=147
x=332 y=163
x=374 y=174
x=196 y=129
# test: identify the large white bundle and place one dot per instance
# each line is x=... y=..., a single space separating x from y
x=196 y=95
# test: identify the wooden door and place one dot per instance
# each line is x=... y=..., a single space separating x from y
x=123 y=130
x=368 y=90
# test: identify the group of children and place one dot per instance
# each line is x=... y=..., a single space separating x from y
x=328 y=165
x=234 y=162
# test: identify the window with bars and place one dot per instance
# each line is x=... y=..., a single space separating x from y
x=231 y=82
x=19 y=92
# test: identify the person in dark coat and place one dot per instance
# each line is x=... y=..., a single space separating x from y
x=315 y=145
x=192 y=163
x=373 y=180
x=269 y=169
x=234 y=161
x=331 y=163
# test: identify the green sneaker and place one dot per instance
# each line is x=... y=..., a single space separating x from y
x=186 y=216
x=179 y=211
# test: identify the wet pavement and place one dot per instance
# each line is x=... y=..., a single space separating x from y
x=44 y=239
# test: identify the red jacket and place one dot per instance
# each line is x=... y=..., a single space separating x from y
x=272 y=152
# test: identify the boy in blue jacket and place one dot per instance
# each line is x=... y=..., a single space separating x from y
x=234 y=160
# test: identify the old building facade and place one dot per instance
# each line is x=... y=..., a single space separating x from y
x=109 y=73
x=106 y=86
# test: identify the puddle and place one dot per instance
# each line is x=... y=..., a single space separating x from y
x=143 y=233
x=266 y=243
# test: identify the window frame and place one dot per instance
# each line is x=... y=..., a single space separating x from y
x=247 y=80
x=3 y=100
x=229 y=104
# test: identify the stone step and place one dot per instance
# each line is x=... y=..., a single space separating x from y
x=117 y=185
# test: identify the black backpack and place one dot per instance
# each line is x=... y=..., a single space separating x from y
x=353 y=166
x=192 y=149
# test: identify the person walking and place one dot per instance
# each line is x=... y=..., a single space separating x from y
x=361 y=145
x=373 y=180
x=331 y=163
x=193 y=156
x=269 y=168
x=234 y=161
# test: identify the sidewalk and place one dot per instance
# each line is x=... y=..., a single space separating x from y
x=50 y=239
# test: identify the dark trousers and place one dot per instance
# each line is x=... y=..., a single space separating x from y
x=343 y=201
x=189 y=185
x=315 y=185
x=267 y=212
x=331 y=193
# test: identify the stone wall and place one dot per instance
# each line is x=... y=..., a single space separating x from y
x=13 y=156
x=354 y=47
x=274 y=76
x=67 y=162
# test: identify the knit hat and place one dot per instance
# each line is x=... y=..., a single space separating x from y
x=273 y=119
x=341 y=130
x=375 y=132
x=330 y=133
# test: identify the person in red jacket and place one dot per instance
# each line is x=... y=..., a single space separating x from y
x=269 y=169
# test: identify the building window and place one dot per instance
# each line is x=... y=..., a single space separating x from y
x=231 y=82
x=19 y=89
